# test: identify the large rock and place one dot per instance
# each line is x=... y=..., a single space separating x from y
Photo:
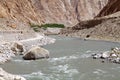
x=17 y=47
x=36 y=53
x=105 y=55
x=7 y=76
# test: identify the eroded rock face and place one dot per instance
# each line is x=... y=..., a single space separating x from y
x=112 y=7
x=88 y=9
x=67 y=12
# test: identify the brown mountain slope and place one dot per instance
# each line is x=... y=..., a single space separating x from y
x=112 y=7
x=105 y=26
x=67 y=12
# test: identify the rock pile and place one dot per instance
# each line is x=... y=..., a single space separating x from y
x=9 y=50
x=110 y=56
x=5 y=52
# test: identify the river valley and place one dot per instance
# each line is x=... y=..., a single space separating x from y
x=70 y=59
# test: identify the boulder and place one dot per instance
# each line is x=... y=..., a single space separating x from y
x=105 y=55
x=17 y=47
x=36 y=53
x=7 y=76
x=113 y=55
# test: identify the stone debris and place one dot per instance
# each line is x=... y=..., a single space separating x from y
x=110 y=56
x=6 y=53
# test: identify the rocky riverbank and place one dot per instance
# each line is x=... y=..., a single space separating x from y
x=104 y=28
x=112 y=56
x=19 y=42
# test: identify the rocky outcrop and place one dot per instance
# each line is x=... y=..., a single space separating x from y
x=67 y=12
x=36 y=53
x=112 y=7
x=7 y=76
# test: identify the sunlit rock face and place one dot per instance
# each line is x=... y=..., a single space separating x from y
x=88 y=9
x=112 y=7
x=67 y=12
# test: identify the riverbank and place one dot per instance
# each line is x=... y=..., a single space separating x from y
x=14 y=43
x=70 y=59
x=104 y=28
x=93 y=37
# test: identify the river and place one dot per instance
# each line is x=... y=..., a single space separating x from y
x=70 y=59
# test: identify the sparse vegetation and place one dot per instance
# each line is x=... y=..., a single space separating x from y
x=53 y=25
x=45 y=26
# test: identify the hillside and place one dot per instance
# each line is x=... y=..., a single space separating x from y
x=67 y=12
x=108 y=29
x=112 y=7
x=105 y=26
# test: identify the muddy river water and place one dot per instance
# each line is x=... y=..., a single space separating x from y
x=70 y=59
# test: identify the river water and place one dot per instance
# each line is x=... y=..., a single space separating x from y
x=70 y=59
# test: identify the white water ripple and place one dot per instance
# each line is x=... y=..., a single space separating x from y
x=63 y=59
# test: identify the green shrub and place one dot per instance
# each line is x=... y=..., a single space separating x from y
x=44 y=26
x=52 y=25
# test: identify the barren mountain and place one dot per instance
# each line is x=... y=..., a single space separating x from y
x=67 y=12
x=102 y=27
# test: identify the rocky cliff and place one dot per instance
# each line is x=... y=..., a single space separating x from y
x=106 y=26
x=112 y=7
x=67 y=12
